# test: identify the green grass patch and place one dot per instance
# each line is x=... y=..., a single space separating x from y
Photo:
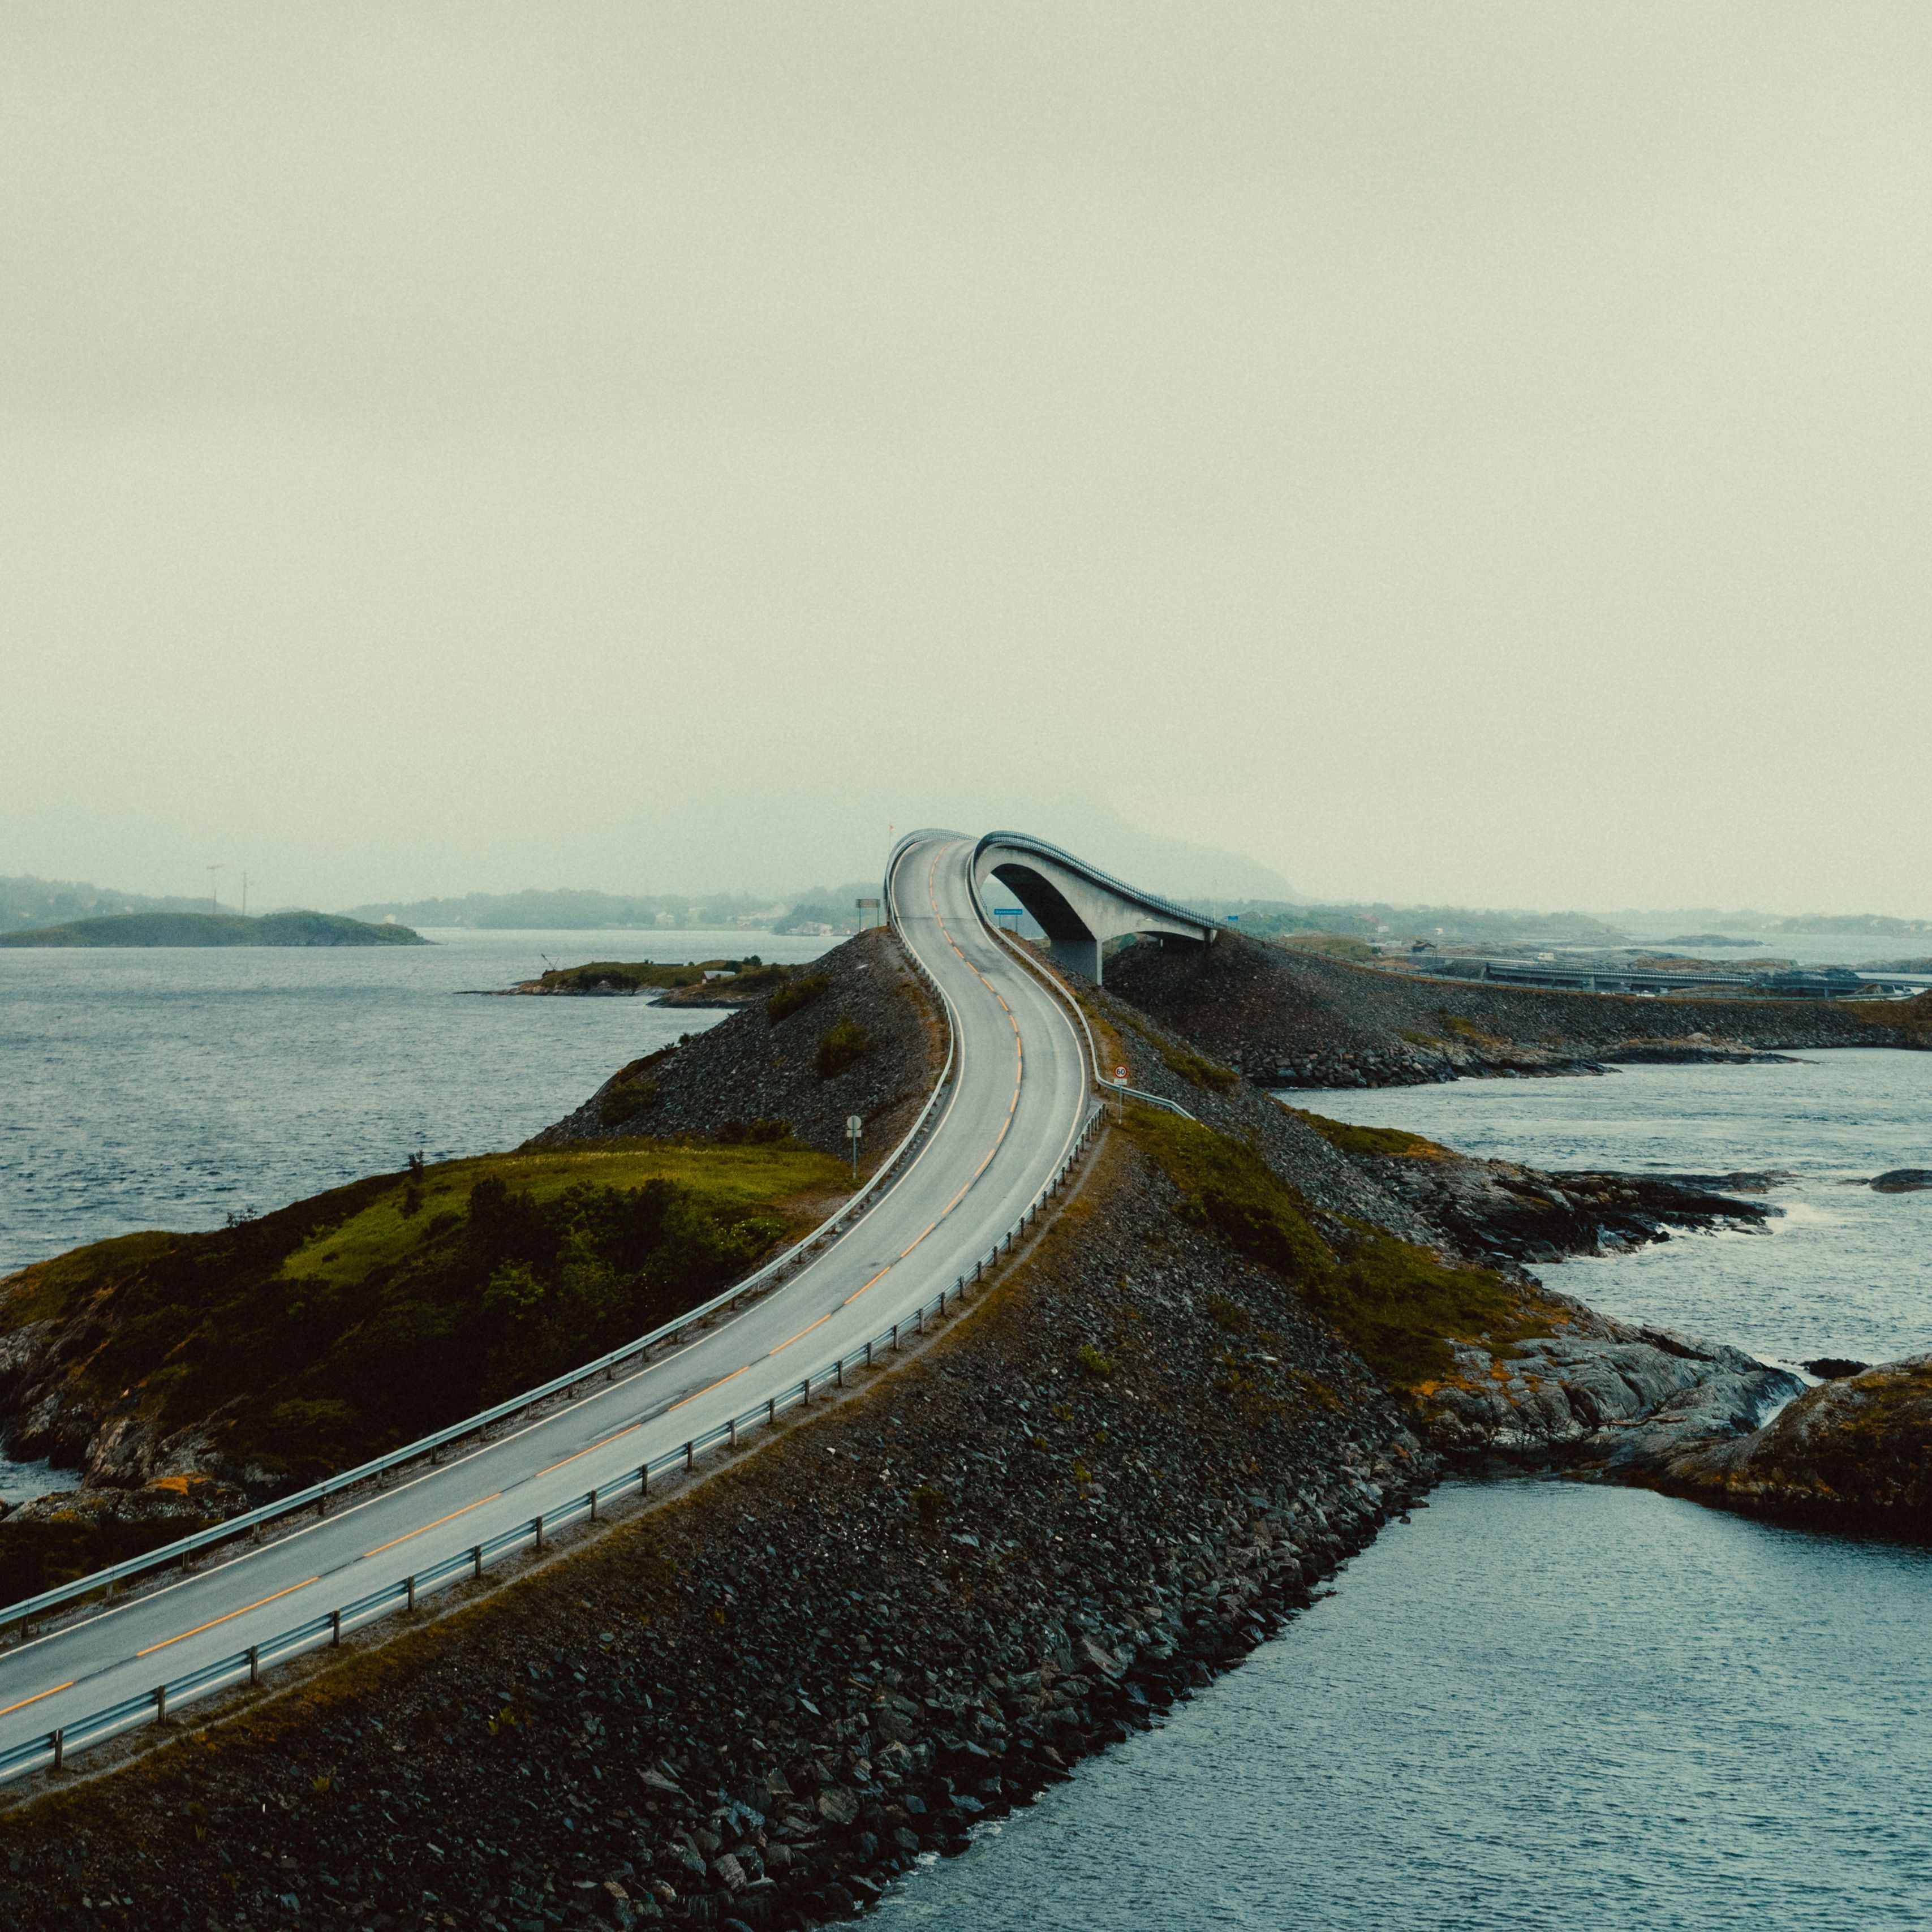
x=351 y=1323
x=1397 y=1305
x=1389 y=1142
x=1330 y=945
x=1196 y=1068
x=1913 y=1016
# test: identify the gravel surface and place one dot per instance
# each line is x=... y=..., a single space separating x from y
x=751 y=1068
x=756 y=1706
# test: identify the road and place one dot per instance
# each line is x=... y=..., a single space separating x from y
x=1016 y=1105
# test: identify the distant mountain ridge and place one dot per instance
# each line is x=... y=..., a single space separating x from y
x=204 y=929
x=565 y=909
x=27 y=901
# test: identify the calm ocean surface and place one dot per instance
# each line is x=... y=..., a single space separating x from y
x=1539 y=1704
x=171 y=1088
x=1542 y=1704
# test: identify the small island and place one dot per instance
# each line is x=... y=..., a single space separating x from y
x=224 y=928
x=701 y=983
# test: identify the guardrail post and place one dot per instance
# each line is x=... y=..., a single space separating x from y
x=593 y=1505
x=476 y=1559
x=334 y=1628
x=839 y=1372
x=691 y=1454
x=160 y=1703
x=255 y=1659
x=321 y=1504
x=922 y=1321
x=771 y=1410
x=539 y=1521
x=733 y=1426
x=895 y=1337
x=410 y=1583
x=60 y=1748
x=868 y=1354
x=644 y=1479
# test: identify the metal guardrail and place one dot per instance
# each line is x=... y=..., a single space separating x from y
x=1019 y=949
x=317 y=1494
x=51 y=1750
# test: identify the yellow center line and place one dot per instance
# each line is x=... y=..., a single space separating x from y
x=437 y=1525
x=805 y=1331
x=860 y=1290
x=919 y=1236
x=707 y=1388
x=602 y=1442
x=38 y=1695
x=229 y=1618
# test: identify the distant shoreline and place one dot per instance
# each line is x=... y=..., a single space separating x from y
x=210 y=929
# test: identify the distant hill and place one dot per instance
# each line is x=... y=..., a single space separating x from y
x=1459 y=925
x=227 y=928
x=1874 y=922
x=26 y=900
x=568 y=909
x=831 y=909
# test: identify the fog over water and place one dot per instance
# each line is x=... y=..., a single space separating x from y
x=1467 y=455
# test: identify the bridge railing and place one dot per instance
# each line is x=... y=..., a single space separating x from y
x=51 y=1750
x=184 y=1549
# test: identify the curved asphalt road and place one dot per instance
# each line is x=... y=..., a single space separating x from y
x=1014 y=1111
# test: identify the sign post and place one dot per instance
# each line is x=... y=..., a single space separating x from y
x=854 y=1127
x=1120 y=1092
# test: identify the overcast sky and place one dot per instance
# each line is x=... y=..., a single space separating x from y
x=1471 y=453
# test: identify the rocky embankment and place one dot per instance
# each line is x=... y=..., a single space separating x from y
x=756 y=1073
x=1288 y=1018
x=1551 y=1381
x=1854 y=1453
x=757 y=1706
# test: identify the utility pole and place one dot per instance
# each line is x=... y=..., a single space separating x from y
x=214 y=903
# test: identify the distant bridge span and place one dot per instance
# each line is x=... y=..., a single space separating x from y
x=1078 y=907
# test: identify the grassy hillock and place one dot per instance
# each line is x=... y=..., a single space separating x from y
x=1395 y=1304
x=205 y=928
x=351 y=1323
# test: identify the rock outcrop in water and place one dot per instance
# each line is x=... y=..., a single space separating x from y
x=1854 y=1452
x=1286 y=1018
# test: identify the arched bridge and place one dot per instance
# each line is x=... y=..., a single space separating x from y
x=1078 y=907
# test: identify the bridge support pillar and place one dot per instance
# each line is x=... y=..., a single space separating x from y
x=1077 y=955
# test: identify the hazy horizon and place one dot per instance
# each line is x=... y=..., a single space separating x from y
x=1468 y=456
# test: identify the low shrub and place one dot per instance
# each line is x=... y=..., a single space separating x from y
x=839 y=1045
x=1094 y=1363
x=795 y=996
x=626 y=1096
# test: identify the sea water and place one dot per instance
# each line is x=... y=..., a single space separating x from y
x=1546 y=1705
x=172 y=1087
x=1539 y=1704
